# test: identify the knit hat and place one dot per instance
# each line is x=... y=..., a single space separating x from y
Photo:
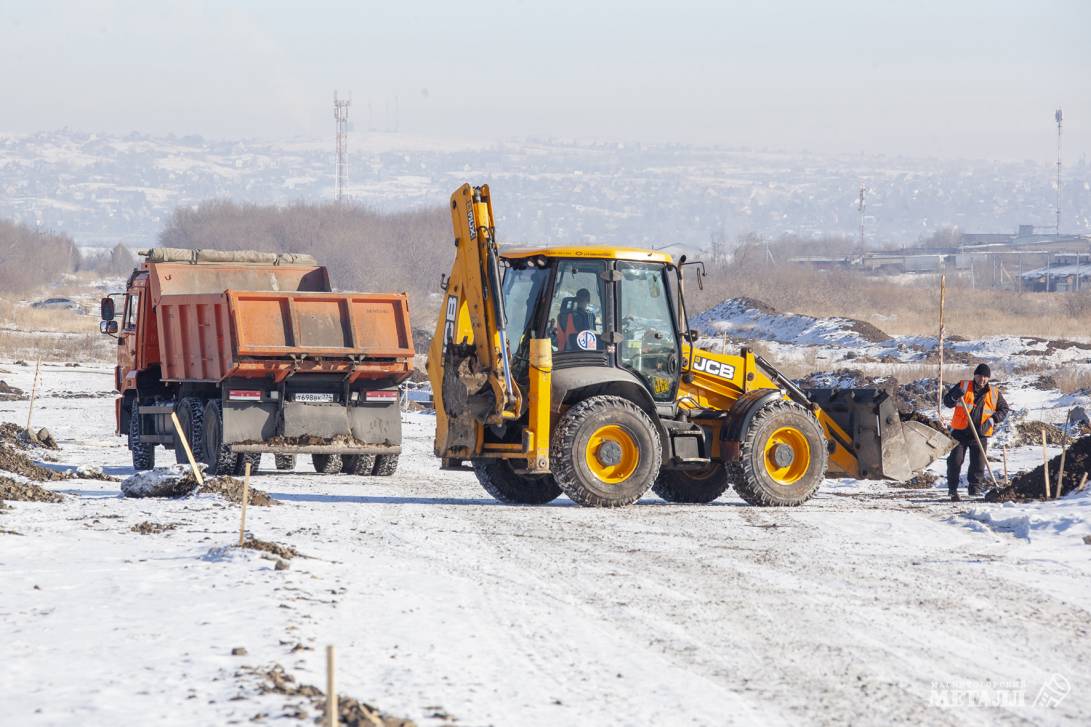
x=983 y=370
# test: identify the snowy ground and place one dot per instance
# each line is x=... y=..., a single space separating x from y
x=868 y=605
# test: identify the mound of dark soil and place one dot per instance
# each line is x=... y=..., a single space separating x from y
x=30 y=492
x=10 y=393
x=1030 y=432
x=12 y=460
x=149 y=528
x=1031 y=485
x=350 y=712
x=866 y=331
x=231 y=489
x=281 y=551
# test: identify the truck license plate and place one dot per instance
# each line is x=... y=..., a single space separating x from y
x=314 y=396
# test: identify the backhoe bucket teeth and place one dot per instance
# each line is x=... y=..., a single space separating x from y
x=885 y=447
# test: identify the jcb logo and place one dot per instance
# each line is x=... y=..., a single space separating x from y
x=449 y=321
x=715 y=368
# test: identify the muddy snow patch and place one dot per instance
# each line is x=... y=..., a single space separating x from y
x=26 y=492
x=179 y=481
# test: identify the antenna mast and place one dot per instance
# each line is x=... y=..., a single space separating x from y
x=1058 y=116
x=341 y=116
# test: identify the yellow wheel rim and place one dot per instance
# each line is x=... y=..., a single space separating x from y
x=612 y=454
x=787 y=455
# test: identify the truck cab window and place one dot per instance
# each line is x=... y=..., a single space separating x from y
x=575 y=315
x=132 y=305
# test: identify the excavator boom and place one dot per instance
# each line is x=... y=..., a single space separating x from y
x=469 y=362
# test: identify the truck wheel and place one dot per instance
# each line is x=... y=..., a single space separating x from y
x=254 y=458
x=692 y=486
x=605 y=452
x=284 y=461
x=385 y=465
x=217 y=456
x=191 y=415
x=506 y=485
x=783 y=458
x=143 y=452
x=326 y=464
x=357 y=464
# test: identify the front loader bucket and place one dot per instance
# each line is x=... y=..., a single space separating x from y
x=885 y=447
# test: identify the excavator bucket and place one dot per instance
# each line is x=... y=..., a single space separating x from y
x=885 y=446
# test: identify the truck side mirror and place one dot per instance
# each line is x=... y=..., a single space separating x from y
x=692 y=335
x=106 y=307
x=108 y=328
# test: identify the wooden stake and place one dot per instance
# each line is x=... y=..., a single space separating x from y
x=1064 y=451
x=33 y=394
x=245 y=498
x=939 y=373
x=189 y=452
x=331 y=689
x=1007 y=480
x=1045 y=463
x=1083 y=483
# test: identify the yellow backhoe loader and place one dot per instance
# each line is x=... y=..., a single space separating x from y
x=573 y=369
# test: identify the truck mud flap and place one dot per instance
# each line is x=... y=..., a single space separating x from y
x=884 y=445
x=252 y=423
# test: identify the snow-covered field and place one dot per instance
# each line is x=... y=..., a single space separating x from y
x=868 y=605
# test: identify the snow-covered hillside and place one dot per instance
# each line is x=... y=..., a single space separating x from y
x=103 y=189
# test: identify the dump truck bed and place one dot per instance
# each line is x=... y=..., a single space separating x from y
x=209 y=337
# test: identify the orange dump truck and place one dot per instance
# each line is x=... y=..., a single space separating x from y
x=253 y=353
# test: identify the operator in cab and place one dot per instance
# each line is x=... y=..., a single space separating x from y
x=987 y=408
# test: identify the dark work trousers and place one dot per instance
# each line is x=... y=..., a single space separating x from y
x=975 y=477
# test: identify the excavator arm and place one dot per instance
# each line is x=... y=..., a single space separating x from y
x=469 y=362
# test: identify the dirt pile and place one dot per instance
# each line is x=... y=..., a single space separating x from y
x=281 y=551
x=10 y=393
x=178 y=481
x=30 y=492
x=1031 y=485
x=12 y=460
x=350 y=712
x=14 y=435
x=1031 y=431
x=230 y=488
x=149 y=528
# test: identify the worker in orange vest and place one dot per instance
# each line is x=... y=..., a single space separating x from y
x=987 y=409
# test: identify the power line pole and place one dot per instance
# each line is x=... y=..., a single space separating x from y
x=1059 y=117
x=341 y=116
x=860 y=207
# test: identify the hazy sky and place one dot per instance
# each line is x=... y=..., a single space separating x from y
x=974 y=78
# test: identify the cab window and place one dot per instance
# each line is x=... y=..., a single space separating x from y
x=576 y=313
x=522 y=289
x=132 y=305
x=649 y=344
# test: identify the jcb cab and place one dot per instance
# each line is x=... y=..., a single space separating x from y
x=572 y=369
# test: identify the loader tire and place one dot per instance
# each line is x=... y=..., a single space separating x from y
x=783 y=457
x=605 y=452
x=692 y=486
x=284 y=461
x=385 y=465
x=143 y=452
x=326 y=464
x=512 y=488
x=217 y=456
x=191 y=415
x=357 y=464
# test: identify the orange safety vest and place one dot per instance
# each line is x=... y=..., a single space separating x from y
x=961 y=421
